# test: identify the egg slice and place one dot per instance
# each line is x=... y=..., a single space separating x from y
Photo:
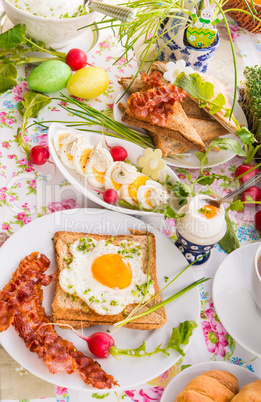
x=106 y=276
x=118 y=174
x=68 y=145
x=152 y=195
x=62 y=137
x=129 y=192
x=81 y=156
x=99 y=161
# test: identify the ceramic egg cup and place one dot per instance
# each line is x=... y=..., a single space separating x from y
x=193 y=251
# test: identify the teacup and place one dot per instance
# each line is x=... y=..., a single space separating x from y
x=256 y=279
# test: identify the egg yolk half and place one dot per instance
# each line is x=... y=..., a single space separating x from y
x=84 y=158
x=147 y=195
x=116 y=185
x=133 y=187
x=210 y=211
x=112 y=270
x=61 y=137
x=99 y=176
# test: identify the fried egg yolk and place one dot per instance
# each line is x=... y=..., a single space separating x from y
x=133 y=187
x=210 y=211
x=112 y=270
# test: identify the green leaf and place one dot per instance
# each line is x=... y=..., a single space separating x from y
x=195 y=86
x=237 y=206
x=217 y=104
x=206 y=180
x=8 y=74
x=228 y=143
x=246 y=136
x=200 y=156
x=100 y=396
x=169 y=212
x=180 y=336
x=181 y=191
x=34 y=102
x=230 y=241
x=231 y=342
x=13 y=37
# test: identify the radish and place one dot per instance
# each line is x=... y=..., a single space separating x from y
x=242 y=170
x=254 y=192
x=76 y=59
x=39 y=155
x=110 y=196
x=118 y=153
x=258 y=220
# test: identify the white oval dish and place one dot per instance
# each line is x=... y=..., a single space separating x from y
x=134 y=153
x=182 y=379
x=129 y=371
x=191 y=161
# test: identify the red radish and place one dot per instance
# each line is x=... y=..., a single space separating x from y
x=76 y=59
x=258 y=220
x=39 y=155
x=110 y=196
x=243 y=169
x=254 y=192
x=118 y=153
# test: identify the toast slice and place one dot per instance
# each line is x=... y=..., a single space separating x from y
x=219 y=88
x=74 y=311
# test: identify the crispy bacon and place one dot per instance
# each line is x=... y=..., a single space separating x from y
x=155 y=103
x=152 y=80
x=21 y=305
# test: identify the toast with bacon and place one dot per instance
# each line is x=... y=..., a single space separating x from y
x=70 y=309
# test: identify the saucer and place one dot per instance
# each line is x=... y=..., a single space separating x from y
x=233 y=300
x=181 y=380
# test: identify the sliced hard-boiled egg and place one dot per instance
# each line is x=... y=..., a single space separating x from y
x=81 y=156
x=152 y=195
x=99 y=161
x=61 y=137
x=118 y=174
x=129 y=192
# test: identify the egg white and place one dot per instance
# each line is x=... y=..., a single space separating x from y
x=62 y=137
x=118 y=174
x=78 y=280
x=79 y=155
x=125 y=190
x=99 y=161
x=152 y=195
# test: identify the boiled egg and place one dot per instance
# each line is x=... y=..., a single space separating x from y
x=67 y=146
x=81 y=156
x=129 y=192
x=118 y=174
x=107 y=276
x=61 y=137
x=152 y=195
x=99 y=161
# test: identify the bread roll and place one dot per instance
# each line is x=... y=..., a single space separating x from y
x=215 y=385
x=249 y=393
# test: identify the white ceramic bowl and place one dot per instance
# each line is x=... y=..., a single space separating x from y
x=256 y=280
x=54 y=32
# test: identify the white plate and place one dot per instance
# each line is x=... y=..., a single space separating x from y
x=179 y=382
x=191 y=161
x=79 y=182
x=233 y=299
x=36 y=236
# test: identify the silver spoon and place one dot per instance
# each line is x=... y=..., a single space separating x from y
x=122 y=13
x=239 y=190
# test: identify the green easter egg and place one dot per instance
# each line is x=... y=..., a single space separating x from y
x=50 y=76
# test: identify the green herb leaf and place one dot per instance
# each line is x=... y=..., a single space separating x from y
x=206 y=180
x=228 y=143
x=195 y=86
x=217 y=106
x=246 y=136
x=100 y=396
x=230 y=241
x=201 y=156
x=181 y=191
x=237 y=206
x=169 y=212
x=13 y=37
x=8 y=74
x=34 y=102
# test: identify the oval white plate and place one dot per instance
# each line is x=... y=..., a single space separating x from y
x=233 y=299
x=179 y=382
x=191 y=161
x=78 y=181
x=129 y=372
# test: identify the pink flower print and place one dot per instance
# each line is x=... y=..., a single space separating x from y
x=151 y=394
x=108 y=58
x=121 y=61
x=21 y=216
x=104 y=45
x=64 y=204
x=110 y=105
x=11 y=198
x=2 y=117
x=33 y=185
x=19 y=91
x=3 y=196
x=5 y=226
x=170 y=222
x=62 y=103
x=233 y=31
x=216 y=342
x=3 y=189
x=167 y=232
x=5 y=144
x=214 y=320
x=61 y=390
x=26 y=220
x=10 y=122
x=11 y=156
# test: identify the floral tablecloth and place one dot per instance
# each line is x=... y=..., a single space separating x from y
x=28 y=192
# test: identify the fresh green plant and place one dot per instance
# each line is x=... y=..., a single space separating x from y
x=14 y=45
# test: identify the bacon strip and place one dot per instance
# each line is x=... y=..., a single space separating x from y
x=21 y=301
x=155 y=102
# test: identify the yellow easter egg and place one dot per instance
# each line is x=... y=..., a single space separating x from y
x=88 y=82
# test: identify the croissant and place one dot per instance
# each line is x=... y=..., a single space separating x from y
x=250 y=393
x=215 y=385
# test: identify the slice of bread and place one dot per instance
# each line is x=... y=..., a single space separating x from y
x=72 y=310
